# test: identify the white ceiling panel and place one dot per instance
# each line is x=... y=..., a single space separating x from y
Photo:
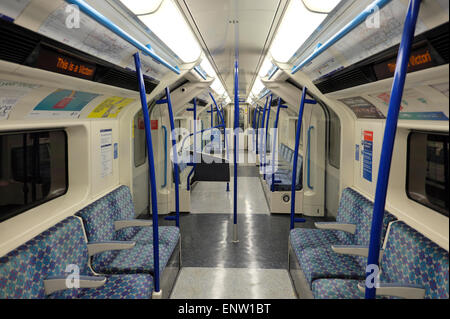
x=223 y=25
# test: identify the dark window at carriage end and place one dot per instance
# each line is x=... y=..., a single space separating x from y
x=428 y=171
x=33 y=170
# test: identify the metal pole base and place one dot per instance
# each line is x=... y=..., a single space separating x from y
x=235 y=234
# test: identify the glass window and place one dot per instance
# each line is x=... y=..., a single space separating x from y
x=140 y=145
x=33 y=170
x=334 y=140
x=427 y=180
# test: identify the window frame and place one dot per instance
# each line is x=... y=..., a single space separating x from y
x=40 y=202
x=407 y=179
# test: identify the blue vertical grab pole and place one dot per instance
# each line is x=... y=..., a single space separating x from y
x=389 y=138
x=168 y=101
x=236 y=145
x=295 y=163
x=265 y=135
x=274 y=147
x=258 y=109
x=254 y=127
x=151 y=167
x=261 y=136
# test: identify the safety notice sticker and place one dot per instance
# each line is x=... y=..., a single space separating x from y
x=367 y=155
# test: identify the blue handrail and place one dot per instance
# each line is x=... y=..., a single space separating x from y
x=236 y=146
x=297 y=146
x=265 y=136
x=194 y=156
x=165 y=156
x=97 y=16
x=254 y=126
x=360 y=18
x=308 y=171
x=176 y=169
x=274 y=71
x=199 y=72
x=151 y=167
x=275 y=143
x=257 y=129
x=261 y=136
x=222 y=120
x=388 y=140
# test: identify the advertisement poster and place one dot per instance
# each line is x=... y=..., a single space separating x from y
x=62 y=104
x=110 y=107
x=362 y=108
x=10 y=94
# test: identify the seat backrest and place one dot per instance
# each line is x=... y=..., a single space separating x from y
x=411 y=258
x=99 y=217
x=23 y=270
x=354 y=208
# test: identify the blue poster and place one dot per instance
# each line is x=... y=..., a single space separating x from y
x=426 y=116
x=357 y=152
x=367 y=155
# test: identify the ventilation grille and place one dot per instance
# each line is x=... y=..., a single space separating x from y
x=344 y=80
x=15 y=46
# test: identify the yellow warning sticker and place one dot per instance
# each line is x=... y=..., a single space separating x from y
x=110 y=107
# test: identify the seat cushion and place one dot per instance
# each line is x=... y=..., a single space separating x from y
x=323 y=262
x=301 y=238
x=116 y=287
x=166 y=234
x=138 y=259
x=336 y=289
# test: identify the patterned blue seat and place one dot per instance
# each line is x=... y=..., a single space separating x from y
x=23 y=270
x=99 y=218
x=318 y=260
x=408 y=259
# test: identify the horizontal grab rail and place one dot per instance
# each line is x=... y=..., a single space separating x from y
x=360 y=18
x=97 y=16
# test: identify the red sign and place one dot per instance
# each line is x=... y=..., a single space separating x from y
x=154 y=124
x=368 y=136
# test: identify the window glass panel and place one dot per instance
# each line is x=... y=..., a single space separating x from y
x=334 y=145
x=428 y=175
x=140 y=146
x=33 y=170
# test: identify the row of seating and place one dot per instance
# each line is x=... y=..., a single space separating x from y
x=284 y=168
x=116 y=260
x=332 y=258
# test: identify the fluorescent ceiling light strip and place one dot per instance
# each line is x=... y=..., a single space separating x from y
x=296 y=27
x=170 y=26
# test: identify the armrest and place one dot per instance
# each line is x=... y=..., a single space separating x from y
x=351 y=250
x=400 y=290
x=120 y=224
x=57 y=283
x=99 y=247
x=349 y=228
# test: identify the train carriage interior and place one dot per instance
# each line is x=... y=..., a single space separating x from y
x=224 y=149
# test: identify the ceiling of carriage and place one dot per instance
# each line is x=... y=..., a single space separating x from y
x=222 y=26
